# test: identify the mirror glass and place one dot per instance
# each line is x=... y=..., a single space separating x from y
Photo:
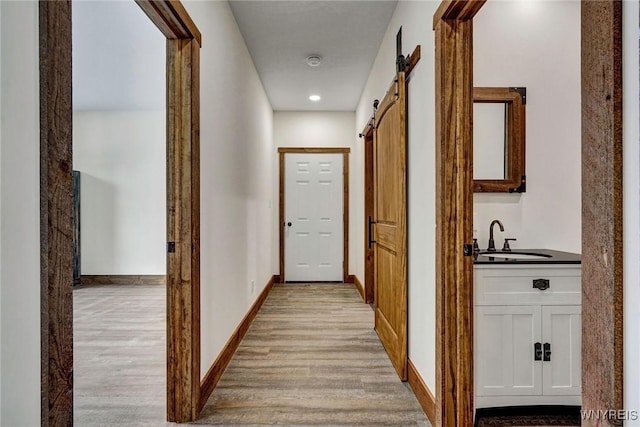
x=489 y=138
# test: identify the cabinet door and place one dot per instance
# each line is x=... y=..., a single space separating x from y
x=504 y=358
x=561 y=327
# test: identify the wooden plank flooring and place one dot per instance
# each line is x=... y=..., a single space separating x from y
x=311 y=357
x=119 y=355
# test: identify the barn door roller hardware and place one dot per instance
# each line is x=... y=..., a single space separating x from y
x=408 y=63
x=401 y=61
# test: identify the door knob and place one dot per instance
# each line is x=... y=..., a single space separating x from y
x=289 y=224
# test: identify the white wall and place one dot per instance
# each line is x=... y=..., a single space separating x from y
x=236 y=178
x=631 y=185
x=415 y=17
x=122 y=159
x=318 y=129
x=313 y=129
x=20 y=216
x=537 y=45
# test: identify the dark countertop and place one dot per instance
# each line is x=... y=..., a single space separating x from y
x=556 y=257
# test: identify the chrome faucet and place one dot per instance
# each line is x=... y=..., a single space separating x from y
x=492 y=243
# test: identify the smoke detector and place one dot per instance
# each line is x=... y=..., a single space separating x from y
x=314 y=60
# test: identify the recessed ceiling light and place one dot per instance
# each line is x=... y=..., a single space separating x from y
x=314 y=98
x=314 y=60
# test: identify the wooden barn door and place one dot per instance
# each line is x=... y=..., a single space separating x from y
x=390 y=211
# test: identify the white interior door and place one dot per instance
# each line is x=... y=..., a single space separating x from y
x=313 y=213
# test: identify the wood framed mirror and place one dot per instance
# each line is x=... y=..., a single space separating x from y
x=499 y=139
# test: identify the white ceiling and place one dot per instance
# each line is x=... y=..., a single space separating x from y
x=119 y=55
x=280 y=36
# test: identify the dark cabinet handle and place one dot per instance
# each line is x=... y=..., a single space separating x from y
x=289 y=224
x=537 y=351
x=541 y=284
x=547 y=352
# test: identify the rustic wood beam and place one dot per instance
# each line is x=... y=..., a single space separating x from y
x=56 y=213
x=602 y=233
x=171 y=18
x=457 y=9
x=454 y=208
x=413 y=60
x=183 y=229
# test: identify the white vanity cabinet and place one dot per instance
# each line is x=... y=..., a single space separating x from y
x=527 y=339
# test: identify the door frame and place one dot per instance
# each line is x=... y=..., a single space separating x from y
x=602 y=196
x=602 y=279
x=282 y=151
x=453 y=25
x=183 y=209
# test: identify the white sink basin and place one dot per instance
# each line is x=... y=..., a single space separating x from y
x=514 y=255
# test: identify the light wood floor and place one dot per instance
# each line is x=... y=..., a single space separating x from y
x=119 y=355
x=311 y=357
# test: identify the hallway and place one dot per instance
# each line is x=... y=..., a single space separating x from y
x=311 y=357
